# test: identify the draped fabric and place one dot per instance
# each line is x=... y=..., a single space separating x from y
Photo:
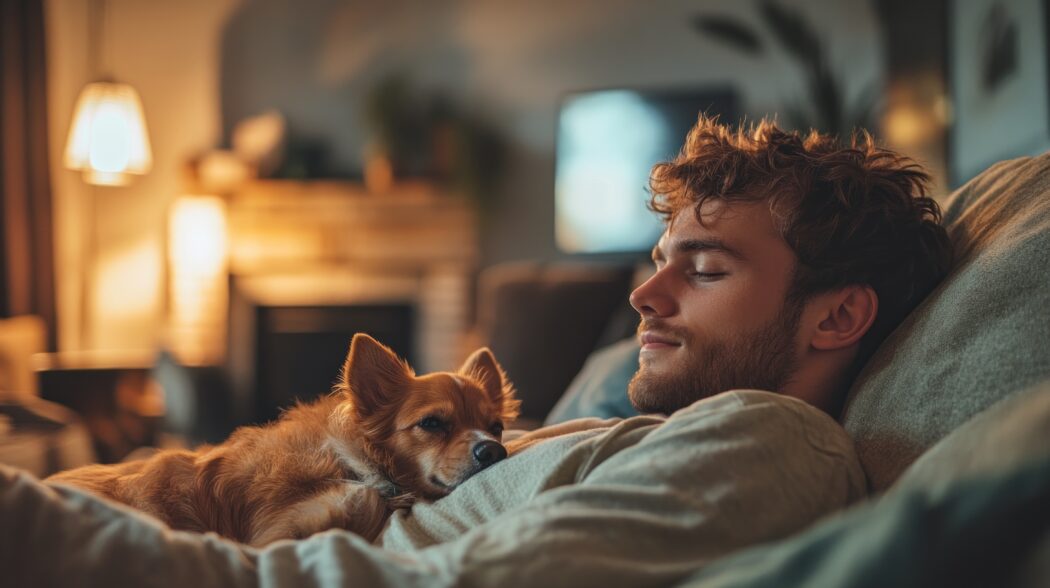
x=26 y=254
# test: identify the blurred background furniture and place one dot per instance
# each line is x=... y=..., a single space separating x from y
x=542 y=321
x=43 y=438
x=39 y=436
x=21 y=337
x=115 y=396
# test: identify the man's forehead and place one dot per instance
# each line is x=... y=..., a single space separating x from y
x=735 y=227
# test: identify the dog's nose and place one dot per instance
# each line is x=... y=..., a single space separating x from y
x=487 y=453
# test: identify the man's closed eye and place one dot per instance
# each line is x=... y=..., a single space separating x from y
x=708 y=276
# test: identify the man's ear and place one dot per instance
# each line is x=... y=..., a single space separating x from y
x=373 y=375
x=845 y=316
x=483 y=367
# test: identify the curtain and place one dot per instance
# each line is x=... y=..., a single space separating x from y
x=26 y=255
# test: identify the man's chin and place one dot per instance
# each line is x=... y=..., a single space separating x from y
x=652 y=392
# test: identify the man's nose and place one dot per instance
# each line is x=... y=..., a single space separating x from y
x=652 y=298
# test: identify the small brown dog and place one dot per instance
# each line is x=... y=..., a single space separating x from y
x=383 y=438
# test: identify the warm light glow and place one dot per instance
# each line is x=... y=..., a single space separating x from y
x=906 y=126
x=198 y=234
x=108 y=138
x=197 y=253
x=127 y=287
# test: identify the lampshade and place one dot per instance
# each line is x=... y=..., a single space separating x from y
x=108 y=139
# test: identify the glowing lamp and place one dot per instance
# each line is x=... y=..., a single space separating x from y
x=198 y=234
x=108 y=139
x=197 y=253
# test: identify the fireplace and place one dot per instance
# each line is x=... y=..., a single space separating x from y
x=313 y=262
x=296 y=353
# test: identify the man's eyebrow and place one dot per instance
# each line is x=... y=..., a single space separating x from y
x=697 y=245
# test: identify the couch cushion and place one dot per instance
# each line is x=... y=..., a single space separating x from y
x=968 y=512
x=1014 y=431
x=982 y=335
x=600 y=389
x=988 y=530
x=543 y=320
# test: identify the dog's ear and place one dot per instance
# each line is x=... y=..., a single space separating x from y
x=373 y=375
x=482 y=367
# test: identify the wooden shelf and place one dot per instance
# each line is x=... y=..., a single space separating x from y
x=282 y=225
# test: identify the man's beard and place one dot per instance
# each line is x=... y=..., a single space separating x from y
x=764 y=359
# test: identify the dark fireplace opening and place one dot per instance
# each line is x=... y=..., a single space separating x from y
x=279 y=355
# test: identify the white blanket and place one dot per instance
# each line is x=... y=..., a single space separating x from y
x=642 y=503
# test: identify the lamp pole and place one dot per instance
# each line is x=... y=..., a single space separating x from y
x=87 y=268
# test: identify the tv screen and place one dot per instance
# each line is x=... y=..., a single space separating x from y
x=607 y=142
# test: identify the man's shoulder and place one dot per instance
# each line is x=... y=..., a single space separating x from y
x=730 y=440
x=734 y=401
x=763 y=417
x=768 y=412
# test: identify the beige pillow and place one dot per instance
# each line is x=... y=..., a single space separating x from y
x=982 y=335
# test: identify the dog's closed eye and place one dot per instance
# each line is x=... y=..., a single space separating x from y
x=432 y=424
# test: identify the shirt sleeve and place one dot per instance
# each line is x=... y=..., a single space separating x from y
x=735 y=470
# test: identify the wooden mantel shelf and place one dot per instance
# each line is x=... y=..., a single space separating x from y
x=284 y=225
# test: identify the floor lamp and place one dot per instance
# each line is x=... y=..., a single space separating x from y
x=108 y=143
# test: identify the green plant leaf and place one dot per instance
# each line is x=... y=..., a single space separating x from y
x=729 y=31
x=792 y=31
x=826 y=95
x=824 y=107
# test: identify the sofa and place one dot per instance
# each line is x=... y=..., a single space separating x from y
x=950 y=420
x=952 y=410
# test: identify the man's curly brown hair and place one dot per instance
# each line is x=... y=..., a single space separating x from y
x=854 y=214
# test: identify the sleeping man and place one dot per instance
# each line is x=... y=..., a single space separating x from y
x=785 y=261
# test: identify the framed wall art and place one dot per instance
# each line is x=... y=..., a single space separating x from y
x=998 y=80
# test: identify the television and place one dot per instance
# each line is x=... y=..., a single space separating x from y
x=607 y=143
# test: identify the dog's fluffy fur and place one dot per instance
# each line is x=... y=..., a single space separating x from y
x=381 y=439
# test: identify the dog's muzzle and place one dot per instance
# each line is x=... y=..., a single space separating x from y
x=488 y=452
